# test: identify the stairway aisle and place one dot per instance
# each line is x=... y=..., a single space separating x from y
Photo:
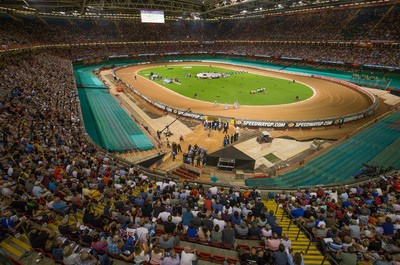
x=313 y=256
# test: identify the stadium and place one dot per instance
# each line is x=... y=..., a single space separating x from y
x=199 y=132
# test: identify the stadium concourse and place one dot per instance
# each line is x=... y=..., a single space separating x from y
x=65 y=200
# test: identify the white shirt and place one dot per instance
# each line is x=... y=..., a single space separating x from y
x=176 y=219
x=187 y=258
x=266 y=233
x=37 y=191
x=71 y=259
x=161 y=184
x=7 y=192
x=172 y=183
x=214 y=190
x=142 y=233
x=234 y=209
x=221 y=224
x=246 y=211
x=229 y=210
x=164 y=216
x=143 y=177
x=195 y=212
x=10 y=171
x=396 y=207
x=130 y=231
x=334 y=196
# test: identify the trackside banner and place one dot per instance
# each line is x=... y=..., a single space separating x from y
x=288 y=124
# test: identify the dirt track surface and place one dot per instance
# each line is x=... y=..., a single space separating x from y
x=330 y=99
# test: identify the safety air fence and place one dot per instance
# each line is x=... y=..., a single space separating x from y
x=266 y=123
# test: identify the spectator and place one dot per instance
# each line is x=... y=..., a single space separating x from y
x=39 y=236
x=172 y=259
x=167 y=242
x=347 y=258
x=388 y=227
x=141 y=254
x=280 y=256
x=192 y=232
x=57 y=252
x=242 y=230
x=169 y=226
x=188 y=256
x=250 y=258
x=114 y=245
x=157 y=255
x=297 y=212
x=70 y=258
x=216 y=235
x=86 y=259
x=254 y=231
x=228 y=235
x=272 y=243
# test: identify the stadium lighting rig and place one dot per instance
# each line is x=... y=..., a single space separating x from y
x=174 y=10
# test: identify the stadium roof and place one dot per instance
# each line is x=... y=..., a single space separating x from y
x=185 y=9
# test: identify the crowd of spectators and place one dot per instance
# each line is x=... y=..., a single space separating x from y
x=311 y=54
x=363 y=23
x=351 y=224
x=49 y=168
x=208 y=37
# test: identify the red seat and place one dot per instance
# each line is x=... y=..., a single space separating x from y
x=192 y=240
x=232 y=260
x=218 y=259
x=204 y=256
x=259 y=248
x=178 y=249
x=159 y=231
x=215 y=244
x=202 y=241
x=227 y=246
x=245 y=247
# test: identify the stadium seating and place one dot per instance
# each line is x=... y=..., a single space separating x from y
x=338 y=164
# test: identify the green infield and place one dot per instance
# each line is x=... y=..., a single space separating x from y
x=240 y=86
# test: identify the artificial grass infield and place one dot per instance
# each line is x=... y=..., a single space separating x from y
x=235 y=86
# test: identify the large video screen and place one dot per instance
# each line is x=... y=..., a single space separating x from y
x=152 y=16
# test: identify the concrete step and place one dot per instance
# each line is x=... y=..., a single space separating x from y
x=313 y=256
